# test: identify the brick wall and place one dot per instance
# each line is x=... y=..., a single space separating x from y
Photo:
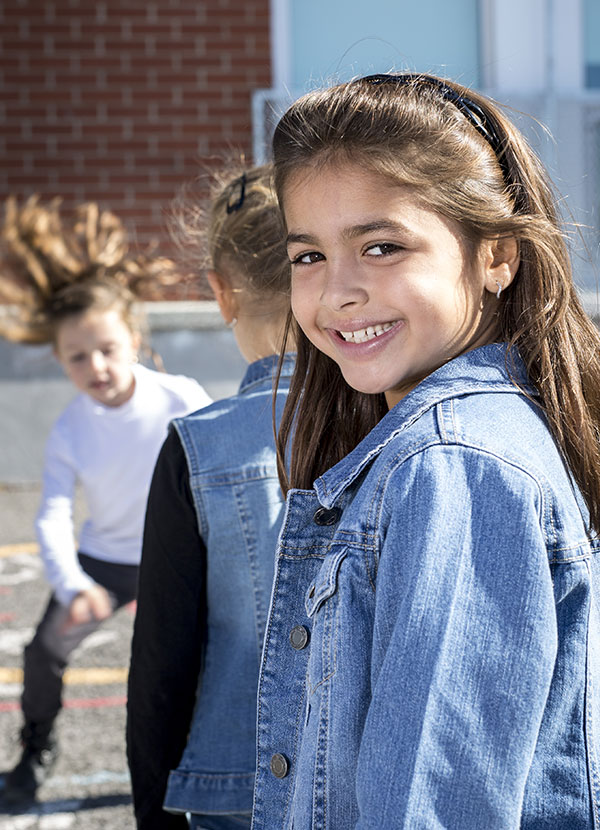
x=121 y=103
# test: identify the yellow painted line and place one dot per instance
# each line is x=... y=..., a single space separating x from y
x=22 y=547
x=74 y=677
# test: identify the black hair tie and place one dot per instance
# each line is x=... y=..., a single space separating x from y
x=234 y=204
x=474 y=114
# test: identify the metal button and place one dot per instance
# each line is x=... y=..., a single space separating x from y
x=327 y=516
x=299 y=637
x=279 y=765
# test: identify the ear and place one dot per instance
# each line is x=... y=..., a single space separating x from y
x=224 y=295
x=501 y=261
x=136 y=341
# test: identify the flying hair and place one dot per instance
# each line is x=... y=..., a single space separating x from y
x=51 y=269
x=461 y=156
x=238 y=232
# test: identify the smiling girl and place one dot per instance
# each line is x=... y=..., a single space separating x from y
x=439 y=550
x=72 y=288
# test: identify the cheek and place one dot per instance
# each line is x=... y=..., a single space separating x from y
x=75 y=374
x=300 y=301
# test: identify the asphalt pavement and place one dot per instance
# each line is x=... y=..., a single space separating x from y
x=90 y=788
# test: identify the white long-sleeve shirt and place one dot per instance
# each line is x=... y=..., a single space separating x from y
x=111 y=452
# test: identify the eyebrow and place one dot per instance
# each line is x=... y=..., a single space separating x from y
x=355 y=231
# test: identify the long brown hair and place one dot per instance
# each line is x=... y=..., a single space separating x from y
x=415 y=131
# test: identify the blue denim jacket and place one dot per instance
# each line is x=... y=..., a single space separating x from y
x=230 y=454
x=432 y=653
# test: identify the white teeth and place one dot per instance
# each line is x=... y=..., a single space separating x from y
x=362 y=335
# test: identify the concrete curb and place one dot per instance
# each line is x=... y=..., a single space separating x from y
x=204 y=314
x=175 y=315
x=189 y=315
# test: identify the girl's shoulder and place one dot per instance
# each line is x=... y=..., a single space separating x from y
x=233 y=436
x=187 y=390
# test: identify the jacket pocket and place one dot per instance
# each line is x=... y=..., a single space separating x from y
x=322 y=607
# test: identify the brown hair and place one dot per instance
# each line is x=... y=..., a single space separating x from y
x=410 y=131
x=238 y=232
x=51 y=269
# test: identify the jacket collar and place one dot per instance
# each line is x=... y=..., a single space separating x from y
x=486 y=369
x=266 y=369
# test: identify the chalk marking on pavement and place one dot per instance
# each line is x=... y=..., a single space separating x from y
x=19 y=547
x=103 y=776
x=74 y=703
x=42 y=819
x=13 y=640
x=28 y=570
x=95 y=676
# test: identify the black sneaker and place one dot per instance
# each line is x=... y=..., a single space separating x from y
x=21 y=783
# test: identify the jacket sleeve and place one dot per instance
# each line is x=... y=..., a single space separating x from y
x=54 y=521
x=167 y=638
x=464 y=645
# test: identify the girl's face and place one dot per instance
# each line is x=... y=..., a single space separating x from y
x=380 y=284
x=96 y=350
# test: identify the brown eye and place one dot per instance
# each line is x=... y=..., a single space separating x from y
x=382 y=249
x=308 y=258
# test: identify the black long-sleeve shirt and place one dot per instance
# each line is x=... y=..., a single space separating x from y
x=167 y=639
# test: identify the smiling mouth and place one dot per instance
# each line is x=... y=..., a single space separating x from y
x=364 y=335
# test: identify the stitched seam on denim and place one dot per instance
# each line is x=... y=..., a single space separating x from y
x=250 y=546
x=445 y=411
x=191 y=460
x=321 y=555
x=592 y=546
x=548 y=514
x=583 y=557
x=321 y=761
x=330 y=626
x=333 y=542
x=454 y=423
x=439 y=415
x=202 y=480
x=589 y=720
x=312 y=689
x=330 y=630
x=294 y=758
x=265 y=730
x=362 y=542
x=371 y=576
x=327 y=587
x=260 y=726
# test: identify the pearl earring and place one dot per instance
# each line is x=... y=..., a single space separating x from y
x=232 y=323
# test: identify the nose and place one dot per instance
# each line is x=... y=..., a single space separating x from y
x=343 y=288
x=97 y=361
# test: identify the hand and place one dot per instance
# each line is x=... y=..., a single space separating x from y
x=91 y=604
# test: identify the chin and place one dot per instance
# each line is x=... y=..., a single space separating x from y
x=366 y=388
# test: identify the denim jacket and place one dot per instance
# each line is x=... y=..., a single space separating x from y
x=432 y=652
x=230 y=454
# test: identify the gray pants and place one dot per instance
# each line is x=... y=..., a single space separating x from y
x=47 y=655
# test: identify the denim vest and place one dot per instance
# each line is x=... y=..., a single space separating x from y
x=230 y=454
x=432 y=652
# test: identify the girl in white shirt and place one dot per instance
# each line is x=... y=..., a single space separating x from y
x=107 y=440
